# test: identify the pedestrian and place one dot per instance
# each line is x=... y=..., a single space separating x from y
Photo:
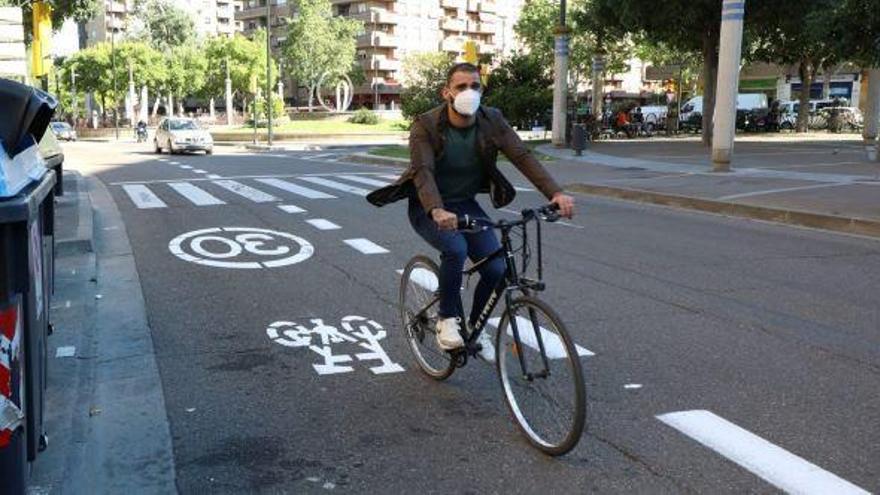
x=453 y=153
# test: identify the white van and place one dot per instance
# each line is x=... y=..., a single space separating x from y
x=744 y=101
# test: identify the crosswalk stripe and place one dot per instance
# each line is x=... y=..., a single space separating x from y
x=248 y=192
x=322 y=224
x=142 y=197
x=195 y=195
x=199 y=171
x=296 y=189
x=291 y=209
x=552 y=343
x=364 y=180
x=388 y=176
x=186 y=167
x=774 y=464
x=213 y=176
x=332 y=184
x=366 y=246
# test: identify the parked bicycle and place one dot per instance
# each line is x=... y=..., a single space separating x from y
x=536 y=360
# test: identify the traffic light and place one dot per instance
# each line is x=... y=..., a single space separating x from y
x=470 y=52
x=42 y=17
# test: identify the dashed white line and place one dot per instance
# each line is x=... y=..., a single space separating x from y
x=364 y=180
x=142 y=197
x=196 y=195
x=366 y=246
x=296 y=189
x=65 y=351
x=291 y=209
x=322 y=224
x=199 y=171
x=246 y=191
x=339 y=186
x=213 y=176
x=774 y=464
x=186 y=167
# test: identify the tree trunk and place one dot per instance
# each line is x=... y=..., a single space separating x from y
x=872 y=110
x=807 y=72
x=311 y=97
x=156 y=105
x=103 y=109
x=169 y=109
x=710 y=80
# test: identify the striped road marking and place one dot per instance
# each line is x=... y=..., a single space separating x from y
x=195 y=195
x=388 y=176
x=291 y=209
x=552 y=342
x=248 y=192
x=774 y=464
x=186 y=167
x=366 y=246
x=339 y=186
x=424 y=278
x=322 y=224
x=213 y=176
x=364 y=180
x=296 y=189
x=199 y=171
x=142 y=197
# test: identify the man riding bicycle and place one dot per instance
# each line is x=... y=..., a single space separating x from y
x=453 y=154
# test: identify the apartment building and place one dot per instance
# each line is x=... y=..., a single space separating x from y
x=210 y=18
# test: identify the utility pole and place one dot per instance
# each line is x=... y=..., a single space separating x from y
x=724 y=123
x=560 y=83
x=268 y=67
x=113 y=71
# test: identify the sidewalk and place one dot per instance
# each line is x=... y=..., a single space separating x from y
x=826 y=184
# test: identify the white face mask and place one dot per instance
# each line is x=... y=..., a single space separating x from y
x=467 y=102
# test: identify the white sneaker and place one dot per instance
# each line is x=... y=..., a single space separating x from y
x=448 y=335
x=488 y=350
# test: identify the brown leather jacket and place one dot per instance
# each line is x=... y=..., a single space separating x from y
x=427 y=141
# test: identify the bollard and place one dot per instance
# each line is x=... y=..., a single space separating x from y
x=579 y=139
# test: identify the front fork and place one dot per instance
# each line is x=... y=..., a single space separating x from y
x=517 y=341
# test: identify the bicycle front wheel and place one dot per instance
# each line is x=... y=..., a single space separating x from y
x=418 y=315
x=541 y=376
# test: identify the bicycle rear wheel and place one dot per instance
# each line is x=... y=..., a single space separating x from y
x=418 y=315
x=549 y=405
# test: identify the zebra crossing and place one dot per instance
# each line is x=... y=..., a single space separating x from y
x=221 y=191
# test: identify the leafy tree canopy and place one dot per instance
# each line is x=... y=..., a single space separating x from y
x=424 y=75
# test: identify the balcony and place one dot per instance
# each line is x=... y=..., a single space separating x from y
x=449 y=24
x=486 y=48
x=453 y=4
x=473 y=6
x=452 y=45
x=488 y=7
x=377 y=39
x=485 y=27
x=116 y=7
x=387 y=64
x=376 y=16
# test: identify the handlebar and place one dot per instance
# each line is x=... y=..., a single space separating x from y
x=548 y=213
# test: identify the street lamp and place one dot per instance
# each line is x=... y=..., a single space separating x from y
x=268 y=67
x=113 y=71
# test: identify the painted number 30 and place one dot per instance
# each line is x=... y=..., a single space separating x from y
x=236 y=247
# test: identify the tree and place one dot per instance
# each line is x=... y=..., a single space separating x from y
x=536 y=29
x=244 y=57
x=521 y=88
x=424 y=75
x=162 y=24
x=319 y=45
x=186 y=67
x=93 y=72
x=796 y=33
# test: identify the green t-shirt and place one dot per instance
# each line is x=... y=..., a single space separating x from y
x=459 y=173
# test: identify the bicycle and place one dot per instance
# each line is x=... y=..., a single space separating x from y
x=535 y=358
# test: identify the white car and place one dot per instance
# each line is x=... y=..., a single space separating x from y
x=179 y=134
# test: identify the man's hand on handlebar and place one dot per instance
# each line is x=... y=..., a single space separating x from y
x=565 y=204
x=445 y=220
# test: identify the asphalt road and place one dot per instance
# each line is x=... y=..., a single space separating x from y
x=730 y=355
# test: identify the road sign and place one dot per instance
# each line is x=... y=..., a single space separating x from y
x=241 y=248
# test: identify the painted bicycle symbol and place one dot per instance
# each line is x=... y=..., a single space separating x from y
x=241 y=247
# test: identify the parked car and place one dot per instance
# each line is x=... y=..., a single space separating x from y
x=744 y=101
x=179 y=134
x=63 y=131
x=788 y=112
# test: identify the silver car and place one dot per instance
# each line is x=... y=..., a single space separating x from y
x=63 y=131
x=179 y=134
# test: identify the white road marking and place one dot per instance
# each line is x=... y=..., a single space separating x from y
x=142 y=196
x=366 y=246
x=174 y=163
x=291 y=209
x=296 y=189
x=186 y=167
x=523 y=189
x=774 y=464
x=424 y=278
x=195 y=195
x=274 y=245
x=388 y=176
x=248 y=192
x=238 y=177
x=552 y=344
x=364 y=180
x=199 y=171
x=782 y=190
x=339 y=186
x=315 y=157
x=213 y=176
x=66 y=351
x=632 y=386
x=322 y=224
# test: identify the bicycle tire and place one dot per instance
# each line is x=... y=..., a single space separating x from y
x=432 y=360
x=560 y=346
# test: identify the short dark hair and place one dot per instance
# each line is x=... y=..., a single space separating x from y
x=461 y=67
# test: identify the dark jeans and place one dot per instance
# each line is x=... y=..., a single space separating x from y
x=455 y=247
